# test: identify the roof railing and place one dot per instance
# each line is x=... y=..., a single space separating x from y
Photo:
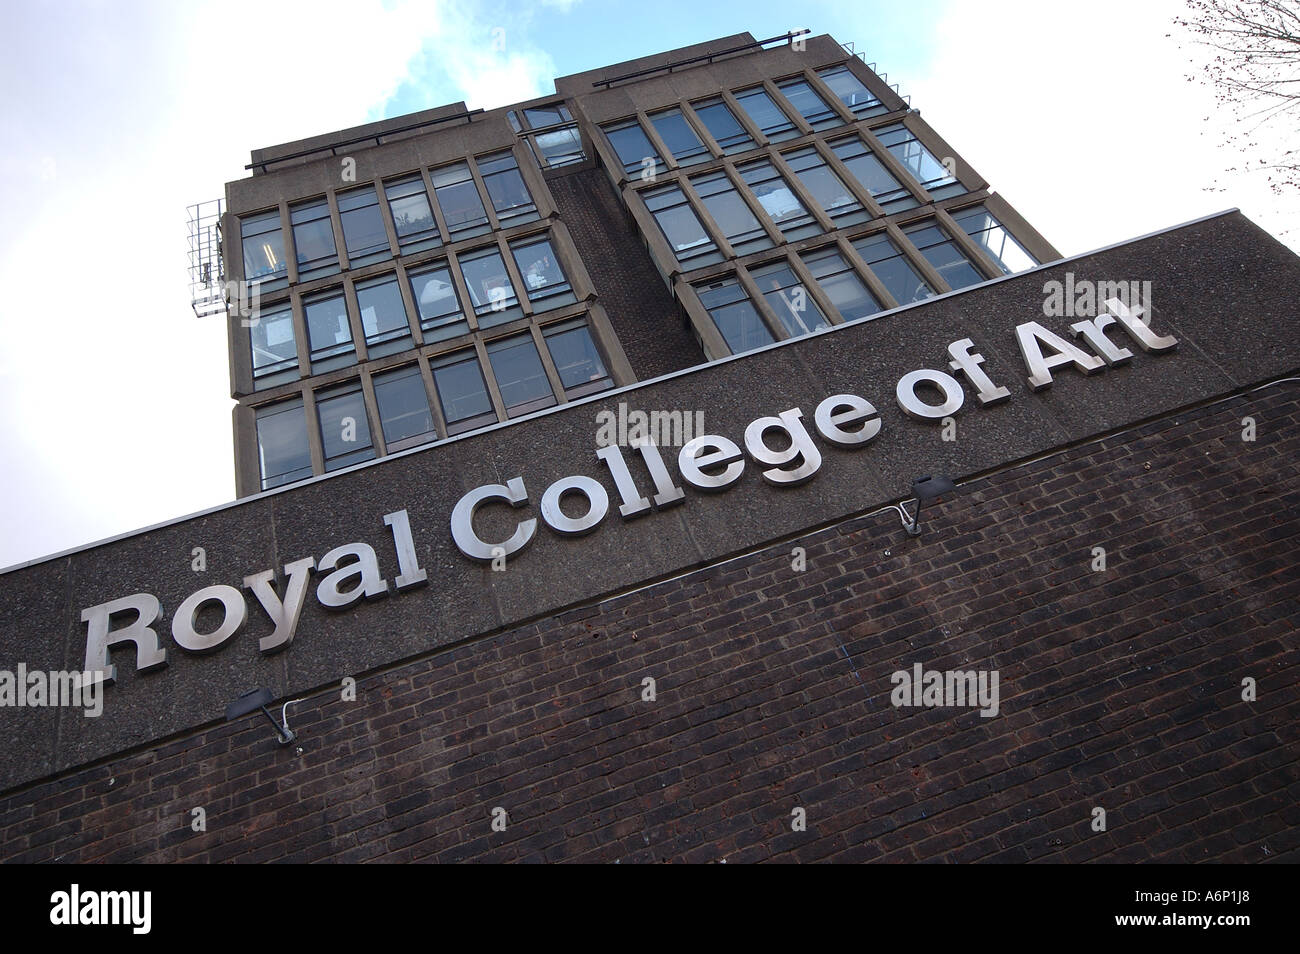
x=377 y=137
x=698 y=59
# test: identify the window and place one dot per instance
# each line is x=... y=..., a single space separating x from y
x=275 y=352
x=888 y=263
x=264 y=260
x=920 y=162
x=506 y=189
x=634 y=149
x=1008 y=254
x=363 y=227
x=740 y=226
x=872 y=174
x=723 y=126
x=544 y=280
x=441 y=315
x=811 y=107
x=852 y=92
x=847 y=292
x=490 y=290
x=735 y=315
x=313 y=238
x=383 y=316
x=344 y=429
x=679 y=137
x=404 y=415
x=282 y=450
x=766 y=115
x=826 y=187
x=328 y=333
x=944 y=254
x=681 y=227
x=416 y=227
x=558 y=147
x=462 y=392
x=519 y=374
x=576 y=359
x=462 y=209
x=539 y=116
x=789 y=299
x=778 y=201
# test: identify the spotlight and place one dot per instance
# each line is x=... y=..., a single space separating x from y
x=924 y=488
x=258 y=699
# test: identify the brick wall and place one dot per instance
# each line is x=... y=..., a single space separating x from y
x=1119 y=689
x=648 y=322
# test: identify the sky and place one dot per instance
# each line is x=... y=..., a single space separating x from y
x=117 y=116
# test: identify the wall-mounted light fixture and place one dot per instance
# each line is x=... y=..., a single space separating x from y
x=258 y=699
x=924 y=488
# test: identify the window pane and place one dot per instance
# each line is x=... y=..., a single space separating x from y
x=778 y=201
x=870 y=172
x=328 y=332
x=282 y=449
x=505 y=186
x=851 y=91
x=490 y=290
x=383 y=316
x=344 y=430
x=681 y=227
x=847 y=292
x=263 y=247
x=679 y=137
x=463 y=394
x=942 y=252
x=723 y=126
x=313 y=238
x=576 y=359
x=811 y=107
x=789 y=299
x=740 y=226
x=826 y=187
x=462 y=209
x=735 y=316
x=1008 y=254
x=633 y=148
x=363 y=226
x=544 y=280
x=274 y=348
x=404 y=414
x=520 y=377
x=412 y=215
x=888 y=263
x=538 y=116
x=920 y=162
x=559 y=147
x=435 y=298
x=766 y=115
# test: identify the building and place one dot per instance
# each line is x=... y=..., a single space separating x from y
x=461 y=340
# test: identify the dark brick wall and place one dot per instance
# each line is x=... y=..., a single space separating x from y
x=648 y=322
x=1119 y=689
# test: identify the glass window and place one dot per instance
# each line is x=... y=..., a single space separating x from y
x=920 y=162
x=634 y=149
x=264 y=249
x=313 y=238
x=282 y=450
x=826 y=187
x=723 y=126
x=679 y=137
x=778 y=201
x=558 y=147
x=847 y=292
x=944 y=254
x=462 y=392
x=519 y=374
x=766 y=115
x=274 y=347
x=888 y=263
x=812 y=107
x=363 y=227
x=851 y=91
x=404 y=415
x=490 y=289
x=576 y=359
x=539 y=116
x=735 y=315
x=871 y=173
x=328 y=332
x=740 y=226
x=441 y=315
x=505 y=186
x=789 y=299
x=344 y=429
x=462 y=209
x=412 y=216
x=1008 y=254
x=383 y=316
x=681 y=227
x=544 y=280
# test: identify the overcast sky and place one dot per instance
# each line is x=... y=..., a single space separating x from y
x=117 y=115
